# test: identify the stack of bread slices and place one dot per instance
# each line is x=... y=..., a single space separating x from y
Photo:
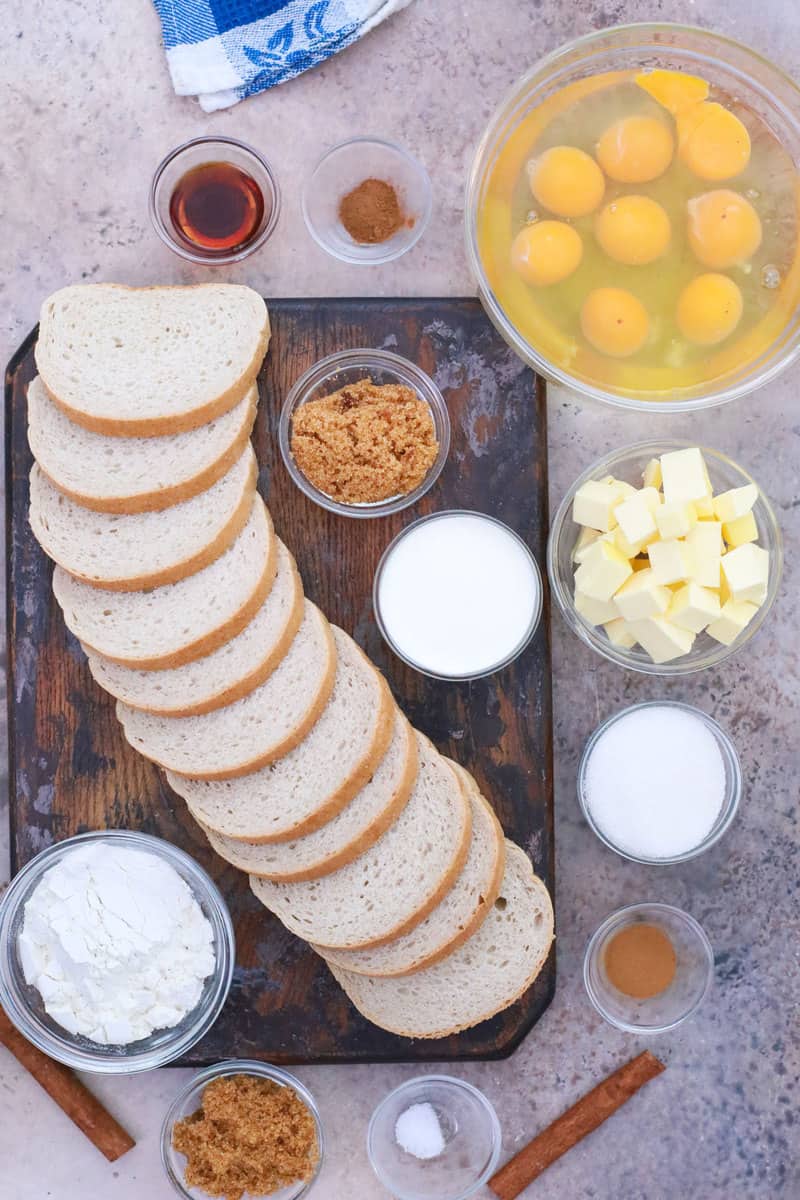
x=279 y=734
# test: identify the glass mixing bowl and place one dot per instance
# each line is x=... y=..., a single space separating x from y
x=770 y=94
x=628 y=464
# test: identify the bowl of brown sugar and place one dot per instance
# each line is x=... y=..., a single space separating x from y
x=364 y=433
x=367 y=201
x=242 y=1129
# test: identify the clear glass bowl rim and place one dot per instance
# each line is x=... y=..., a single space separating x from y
x=214 y=260
x=529 y=354
x=535 y=618
x=62 y=1048
x=451 y=1081
x=414 y=234
x=729 y=807
x=406 y=372
x=237 y=1066
x=617 y=918
x=560 y=588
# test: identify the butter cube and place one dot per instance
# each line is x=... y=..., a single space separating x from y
x=732 y=620
x=735 y=503
x=662 y=640
x=704 y=545
x=619 y=634
x=746 y=570
x=584 y=540
x=741 y=530
x=670 y=561
x=603 y=571
x=642 y=596
x=704 y=509
x=596 y=612
x=651 y=475
x=629 y=549
x=693 y=607
x=676 y=520
x=635 y=517
x=684 y=476
x=594 y=505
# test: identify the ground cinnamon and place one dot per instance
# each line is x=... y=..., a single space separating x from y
x=371 y=212
x=640 y=961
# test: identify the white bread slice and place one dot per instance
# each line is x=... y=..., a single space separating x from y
x=308 y=787
x=456 y=917
x=127 y=553
x=132 y=475
x=489 y=972
x=139 y=362
x=254 y=731
x=227 y=674
x=176 y=624
x=393 y=886
x=352 y=831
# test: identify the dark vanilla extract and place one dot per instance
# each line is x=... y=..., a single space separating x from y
x=216 y=207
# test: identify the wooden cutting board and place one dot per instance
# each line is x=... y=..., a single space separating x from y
x=71 y=769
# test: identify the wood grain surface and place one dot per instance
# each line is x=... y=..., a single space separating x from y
x=71 y=769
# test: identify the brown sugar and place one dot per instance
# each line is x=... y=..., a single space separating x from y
x=371 y=212
x=640 y=961
x=250 y=1136
x=366 y=442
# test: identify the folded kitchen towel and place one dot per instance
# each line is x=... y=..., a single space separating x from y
x=224 y=50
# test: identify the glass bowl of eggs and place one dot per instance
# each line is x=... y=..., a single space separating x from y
x=632 y=217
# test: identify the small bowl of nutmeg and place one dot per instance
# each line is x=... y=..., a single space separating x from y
x=364 y=433
x=243 y=1126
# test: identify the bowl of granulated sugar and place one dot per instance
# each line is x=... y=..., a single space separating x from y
x=659 y=782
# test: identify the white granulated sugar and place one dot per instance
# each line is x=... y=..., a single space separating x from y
x=655 y=782
x=418 y=1132
x=115 y=943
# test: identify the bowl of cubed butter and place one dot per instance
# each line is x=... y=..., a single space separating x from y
x=665 y=557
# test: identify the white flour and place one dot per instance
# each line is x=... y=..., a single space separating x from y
x=115 y=943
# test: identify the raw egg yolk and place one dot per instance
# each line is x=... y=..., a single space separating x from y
x=673 y=89
x=724 y=228
x=709 y=309
x=712 y=142
x=635 y=149
x=614 y=321
x=567 y=181
x=546 y=252
x=633 y=230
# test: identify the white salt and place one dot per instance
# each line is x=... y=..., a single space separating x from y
x=655 y=782
x=418 y=1131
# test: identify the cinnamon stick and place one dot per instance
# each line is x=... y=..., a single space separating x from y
x=573 y=1125
x=69 y=1094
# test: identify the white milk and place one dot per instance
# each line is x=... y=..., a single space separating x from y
x=458 y=594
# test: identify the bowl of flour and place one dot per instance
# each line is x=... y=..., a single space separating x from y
x=116 y=952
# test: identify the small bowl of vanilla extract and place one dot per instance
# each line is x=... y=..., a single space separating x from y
x=214 y=200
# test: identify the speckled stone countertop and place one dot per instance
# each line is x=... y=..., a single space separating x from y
x=87 y=113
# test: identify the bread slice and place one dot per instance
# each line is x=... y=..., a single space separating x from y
x=127 y=553
x=254 y=731
x=181 y=622
x=226 y=675
x=133 y=475
x=456 y=917
x=392 y=887
x=482 y=977
x=139 y=362
x=352 y=831
x=308 y=787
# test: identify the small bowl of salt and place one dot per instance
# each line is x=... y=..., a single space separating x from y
x=434 y=1138
x=659 y=782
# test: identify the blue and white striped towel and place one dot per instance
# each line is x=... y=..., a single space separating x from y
x=224 y=50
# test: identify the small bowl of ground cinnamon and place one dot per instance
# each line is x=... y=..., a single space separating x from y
x=242 y=1129
x=367 y=201
x=364 y=433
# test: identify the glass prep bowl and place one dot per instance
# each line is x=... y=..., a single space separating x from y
x=628 y=464
x=24 y=1004
x=763 y=87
